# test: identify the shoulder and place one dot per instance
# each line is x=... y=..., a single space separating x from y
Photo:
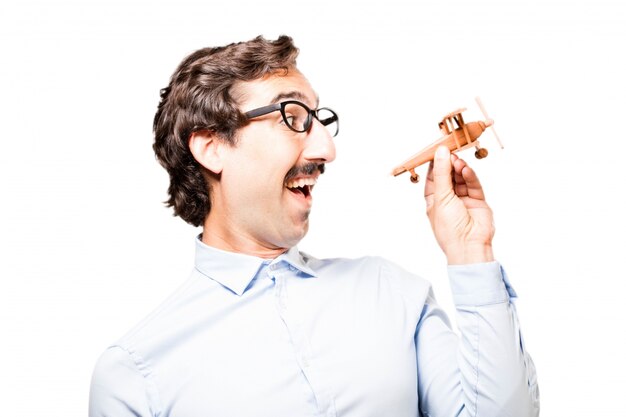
x=125 y=372
x=374 y=269
x=118 y=364
x=121 y=381
x=160 y=321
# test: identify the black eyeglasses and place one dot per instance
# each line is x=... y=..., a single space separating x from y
x=298 y=117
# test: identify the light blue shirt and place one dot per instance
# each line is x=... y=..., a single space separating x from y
x=299 y=336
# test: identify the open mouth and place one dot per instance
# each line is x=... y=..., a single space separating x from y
x=305 y=191
x=302 y=186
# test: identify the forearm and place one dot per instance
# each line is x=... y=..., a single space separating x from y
x=469 y=254
x=486 y=371
x=497 y=374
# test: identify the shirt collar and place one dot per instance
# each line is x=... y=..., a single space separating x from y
x=235 y=271
x=296 y=259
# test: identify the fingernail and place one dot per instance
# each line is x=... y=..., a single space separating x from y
x=441 y=152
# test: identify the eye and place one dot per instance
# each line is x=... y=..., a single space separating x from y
x=296 y=121
x=290 y=119
x=296 y=116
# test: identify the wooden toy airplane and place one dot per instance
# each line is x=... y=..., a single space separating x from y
x=457 y=136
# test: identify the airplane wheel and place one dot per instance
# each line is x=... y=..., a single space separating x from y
x=415 y=178
x=481 y=153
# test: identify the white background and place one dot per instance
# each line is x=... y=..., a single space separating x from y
x=87 y=248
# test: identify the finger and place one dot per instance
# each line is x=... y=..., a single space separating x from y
x=460 y=188
x=472 y=183
x=442 y=172
x=429 y=187
x=458 y=164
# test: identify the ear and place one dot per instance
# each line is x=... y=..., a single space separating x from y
x=206 y=148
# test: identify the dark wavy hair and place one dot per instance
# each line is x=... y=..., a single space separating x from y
x=200 y=97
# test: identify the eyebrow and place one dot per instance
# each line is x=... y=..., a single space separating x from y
x=294 y=95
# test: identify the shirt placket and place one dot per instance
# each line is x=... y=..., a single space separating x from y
x=281 y=273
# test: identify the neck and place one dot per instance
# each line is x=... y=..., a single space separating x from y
x=220 y=235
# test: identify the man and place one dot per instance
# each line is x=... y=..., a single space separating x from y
x=261 y=329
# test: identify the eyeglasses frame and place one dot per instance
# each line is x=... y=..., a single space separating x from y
x=262 y=111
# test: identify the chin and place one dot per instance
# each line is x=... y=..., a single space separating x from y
x=297 y=235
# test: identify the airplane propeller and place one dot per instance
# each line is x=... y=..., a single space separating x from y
x=488 y=121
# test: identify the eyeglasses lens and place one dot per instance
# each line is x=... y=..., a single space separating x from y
x=296 y=117
x=299 y=118
x=329 y=119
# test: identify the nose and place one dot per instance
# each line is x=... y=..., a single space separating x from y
x=319 y=145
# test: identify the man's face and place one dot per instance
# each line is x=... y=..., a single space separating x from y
x=265 y=194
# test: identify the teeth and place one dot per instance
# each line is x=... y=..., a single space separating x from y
x=301 y=182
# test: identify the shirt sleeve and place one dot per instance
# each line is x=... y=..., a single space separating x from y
x=486 y=370
x=121 y=386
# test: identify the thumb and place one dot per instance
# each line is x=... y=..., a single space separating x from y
x=442 y=172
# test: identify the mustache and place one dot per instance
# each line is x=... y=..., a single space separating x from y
x=306 y=169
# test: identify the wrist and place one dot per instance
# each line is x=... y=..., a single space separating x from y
x=470 y=254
